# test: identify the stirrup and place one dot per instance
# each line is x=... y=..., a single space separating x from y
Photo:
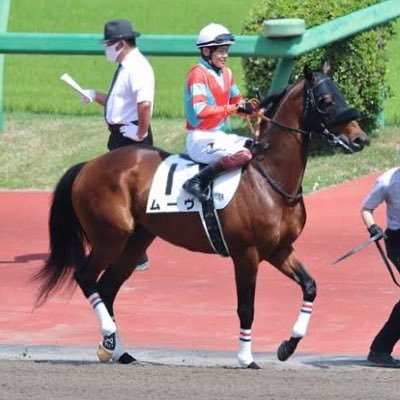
x=202 y=195
x=194 y=188
x=207 y=193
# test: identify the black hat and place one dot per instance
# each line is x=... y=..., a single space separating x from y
x=119 y=29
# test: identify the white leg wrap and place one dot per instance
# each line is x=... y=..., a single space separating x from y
x=300 y=327
x=245 y=357
x=107 y=325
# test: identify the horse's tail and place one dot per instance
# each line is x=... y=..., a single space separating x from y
x=67 y=239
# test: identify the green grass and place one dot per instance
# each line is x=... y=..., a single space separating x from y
x=55 y=131
x=35 y=150
x=392 y=109
x=31 y=81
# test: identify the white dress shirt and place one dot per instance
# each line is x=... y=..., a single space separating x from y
x=134 y=84
x=387 y=188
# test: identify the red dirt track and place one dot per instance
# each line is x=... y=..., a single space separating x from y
x=188 y=301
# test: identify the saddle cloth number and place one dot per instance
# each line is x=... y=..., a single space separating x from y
x=166 y=193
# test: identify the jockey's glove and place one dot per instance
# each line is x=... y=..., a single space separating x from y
x=88 y=96
x=245 y=107
x=375 y=229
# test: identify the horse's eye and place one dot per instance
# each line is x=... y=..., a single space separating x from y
x=326 y=101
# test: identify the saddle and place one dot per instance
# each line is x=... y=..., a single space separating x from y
x=167 y=195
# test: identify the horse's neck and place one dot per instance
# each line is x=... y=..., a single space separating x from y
x=286 y=156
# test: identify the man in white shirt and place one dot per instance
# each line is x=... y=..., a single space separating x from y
x=128 y=105
x=386 y=189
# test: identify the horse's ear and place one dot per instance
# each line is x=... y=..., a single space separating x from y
x=326 y=69
x=308 y=74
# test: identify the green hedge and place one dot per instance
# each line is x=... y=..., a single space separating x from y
x=31 y=81
x=358 y=64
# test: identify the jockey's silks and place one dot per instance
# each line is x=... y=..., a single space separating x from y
x=208 y=92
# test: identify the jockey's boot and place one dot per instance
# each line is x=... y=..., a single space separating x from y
x=198 y=185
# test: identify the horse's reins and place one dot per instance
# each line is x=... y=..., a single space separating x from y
x=386 y=262
x=260 y=113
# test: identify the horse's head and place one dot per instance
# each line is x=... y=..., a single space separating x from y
x=312 y=105
x=327 y=113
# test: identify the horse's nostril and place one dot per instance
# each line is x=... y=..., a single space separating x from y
x=359 y=142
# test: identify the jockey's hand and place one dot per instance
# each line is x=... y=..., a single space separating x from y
x=245 y=107
x=130 y=131
x=375 y=229
x=88 y=96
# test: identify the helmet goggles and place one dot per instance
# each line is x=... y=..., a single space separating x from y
x=220 y=40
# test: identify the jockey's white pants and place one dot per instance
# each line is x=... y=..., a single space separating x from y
x=208 y=147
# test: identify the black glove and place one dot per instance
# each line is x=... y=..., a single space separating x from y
x=375 y=229
x=245 y=108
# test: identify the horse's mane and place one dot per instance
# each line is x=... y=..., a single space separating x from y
x=272 y=101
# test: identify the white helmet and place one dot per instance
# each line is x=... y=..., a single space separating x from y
x=214 y=35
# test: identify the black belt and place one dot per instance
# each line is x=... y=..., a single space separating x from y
x=115 y=128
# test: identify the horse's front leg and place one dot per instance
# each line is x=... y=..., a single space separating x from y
x=292 y=267
x=246 y=268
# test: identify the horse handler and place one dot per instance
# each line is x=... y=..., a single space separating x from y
x=386 y=189
x=128 y=105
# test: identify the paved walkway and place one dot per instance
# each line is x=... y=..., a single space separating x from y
x=187 y=301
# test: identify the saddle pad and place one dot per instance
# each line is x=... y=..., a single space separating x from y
x=166 y=193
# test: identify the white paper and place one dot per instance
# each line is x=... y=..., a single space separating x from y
x=72 y=84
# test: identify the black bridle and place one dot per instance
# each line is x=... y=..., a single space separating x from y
x=316 y=121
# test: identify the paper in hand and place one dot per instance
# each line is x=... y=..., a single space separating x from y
x=67 y=79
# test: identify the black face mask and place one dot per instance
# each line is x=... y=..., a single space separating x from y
x=339 y=113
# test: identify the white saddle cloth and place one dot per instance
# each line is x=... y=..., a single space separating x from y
x=166 y=193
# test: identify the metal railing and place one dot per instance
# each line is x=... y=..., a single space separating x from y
x=285 y=49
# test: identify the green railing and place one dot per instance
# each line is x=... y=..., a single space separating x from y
x=4 y=11
x=286 y=49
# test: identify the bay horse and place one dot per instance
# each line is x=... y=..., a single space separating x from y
x=99 y=227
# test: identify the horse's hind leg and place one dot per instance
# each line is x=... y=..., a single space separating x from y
x=293 y=268
x=107 y=242
x=86 y=277
x=114 y=277
x=246 y=268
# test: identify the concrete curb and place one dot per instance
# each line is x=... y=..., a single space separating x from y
x=178 y=357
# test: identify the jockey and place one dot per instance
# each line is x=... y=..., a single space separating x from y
x=211 y=95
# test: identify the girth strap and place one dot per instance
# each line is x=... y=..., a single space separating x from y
x=210 y=220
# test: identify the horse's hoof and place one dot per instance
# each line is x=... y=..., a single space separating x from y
x=126 y=358
x=287 y=348
x=253 y=365
x=284 y=352
x=103 y=354
x=105 y=349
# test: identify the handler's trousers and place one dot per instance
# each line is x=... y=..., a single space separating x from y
x=389 y=335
